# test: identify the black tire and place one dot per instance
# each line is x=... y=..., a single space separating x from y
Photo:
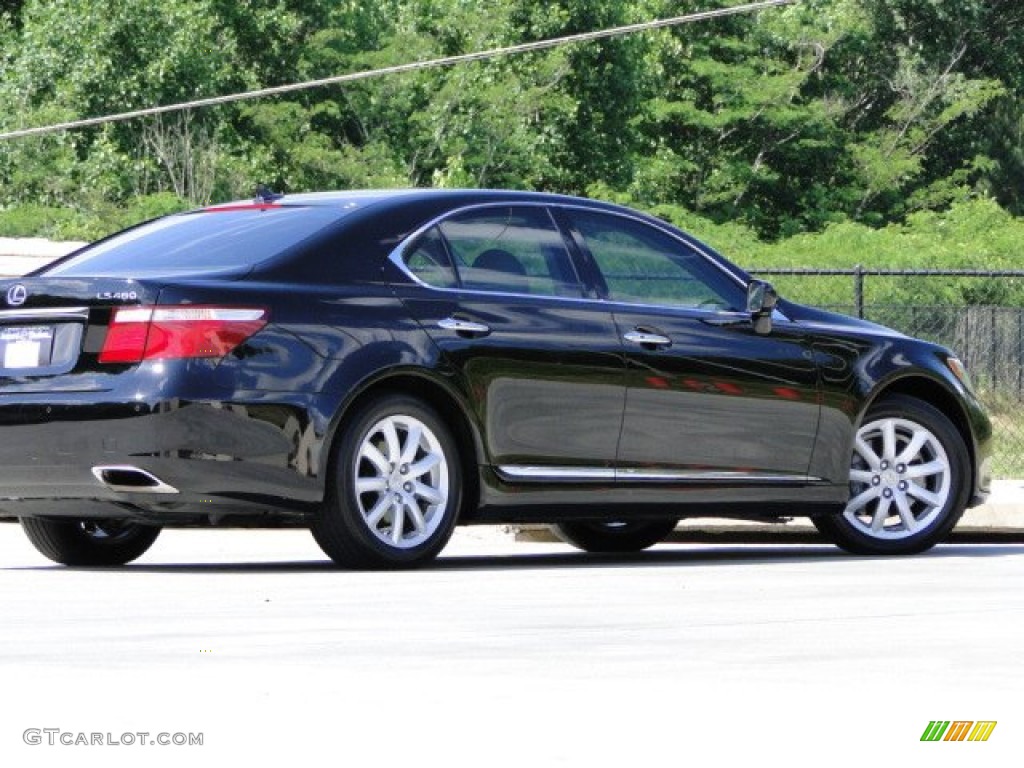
x=855 y=529
x=89 y=542
x=344 y=527
x=614 y=537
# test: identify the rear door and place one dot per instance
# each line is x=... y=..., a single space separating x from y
x=499 y=295
x=708 y=399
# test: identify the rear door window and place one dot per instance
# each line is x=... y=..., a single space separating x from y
x=428 y=260
x=510 y=249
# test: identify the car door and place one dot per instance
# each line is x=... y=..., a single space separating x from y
x=708 y=398
x=542 y=367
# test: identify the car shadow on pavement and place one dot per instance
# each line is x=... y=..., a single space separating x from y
x=665 y=556
x=702 y=556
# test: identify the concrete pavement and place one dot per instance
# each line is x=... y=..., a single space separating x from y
x=505 y=654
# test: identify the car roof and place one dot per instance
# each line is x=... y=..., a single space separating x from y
x=363 y=198
x=354 y=200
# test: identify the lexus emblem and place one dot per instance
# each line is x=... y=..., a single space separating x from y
x=16 y=295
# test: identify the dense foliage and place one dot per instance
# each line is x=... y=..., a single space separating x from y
x=829 y=116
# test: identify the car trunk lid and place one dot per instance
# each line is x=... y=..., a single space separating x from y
x=51 y=326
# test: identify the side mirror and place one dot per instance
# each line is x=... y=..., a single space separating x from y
x=761 y=300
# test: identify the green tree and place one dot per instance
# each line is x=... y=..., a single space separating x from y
x=730 y=129
x=785 y=121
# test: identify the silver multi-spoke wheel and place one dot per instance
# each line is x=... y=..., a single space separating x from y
x=401 y=481
x=909 y=481
x=396 y=488
x=900 y=479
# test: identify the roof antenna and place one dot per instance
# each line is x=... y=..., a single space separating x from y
x=265 y=194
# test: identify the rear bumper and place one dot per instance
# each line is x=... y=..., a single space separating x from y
x=202 y=459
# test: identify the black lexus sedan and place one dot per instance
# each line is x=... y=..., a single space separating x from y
x=382 y=366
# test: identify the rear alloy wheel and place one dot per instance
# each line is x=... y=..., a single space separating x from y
x=89 y=542
x=611 y=537
x=396 y=488
x=909 y=481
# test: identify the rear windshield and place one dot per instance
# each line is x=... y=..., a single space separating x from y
x=205 y=241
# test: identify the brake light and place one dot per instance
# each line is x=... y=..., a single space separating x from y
x=164 y=333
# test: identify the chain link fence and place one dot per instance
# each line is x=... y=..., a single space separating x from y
x=978 y=314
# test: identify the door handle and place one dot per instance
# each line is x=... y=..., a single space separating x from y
x=464 y=327
x=647 y=339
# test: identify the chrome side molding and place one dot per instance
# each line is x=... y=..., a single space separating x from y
x=565 y=474
x=528 y=474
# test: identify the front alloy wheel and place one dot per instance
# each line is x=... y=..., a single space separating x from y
x=396 y=488
x=89 y=542
x=908 y=481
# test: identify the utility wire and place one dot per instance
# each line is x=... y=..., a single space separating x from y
x=445 y=61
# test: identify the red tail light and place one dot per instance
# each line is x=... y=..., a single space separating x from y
x=163 y=333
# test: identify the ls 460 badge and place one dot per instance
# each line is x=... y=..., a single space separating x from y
x=117 y=296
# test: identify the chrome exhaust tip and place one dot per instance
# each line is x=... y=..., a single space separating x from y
x=125 y=477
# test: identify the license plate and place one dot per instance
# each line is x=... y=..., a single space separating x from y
x=26 y=346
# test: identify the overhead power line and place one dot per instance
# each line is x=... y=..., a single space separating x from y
x=414 y=66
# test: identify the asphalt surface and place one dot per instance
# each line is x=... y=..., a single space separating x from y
x=505 y=653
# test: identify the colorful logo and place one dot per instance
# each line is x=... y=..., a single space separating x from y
x=959 y=730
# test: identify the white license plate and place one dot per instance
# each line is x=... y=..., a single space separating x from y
x=23 y=346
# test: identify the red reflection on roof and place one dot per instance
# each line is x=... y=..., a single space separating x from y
x=243 y=207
